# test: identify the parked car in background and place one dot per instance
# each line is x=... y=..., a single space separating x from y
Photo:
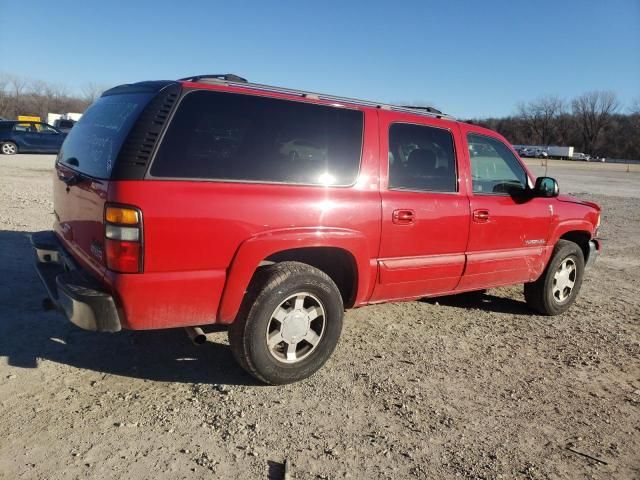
x=533 y=153
x=524 y=152
x=29 y=137
x=581 y=156
x=63 y=121
x=64 y=125
x=160 y=224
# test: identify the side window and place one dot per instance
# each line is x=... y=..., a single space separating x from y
x=421 y=158
x=225 y=136
x=44 y=128
x=494 y=169
x=23 y=127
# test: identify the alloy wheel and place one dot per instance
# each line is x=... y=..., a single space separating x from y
x=564 y=279
x=9 y=148
x=296 y=327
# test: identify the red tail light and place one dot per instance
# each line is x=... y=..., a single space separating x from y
x=122 y=256
x=123 y=239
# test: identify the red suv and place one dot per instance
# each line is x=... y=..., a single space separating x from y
x=211 y=200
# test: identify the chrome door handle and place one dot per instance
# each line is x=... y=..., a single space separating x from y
x=481 y=216
x=403 y=217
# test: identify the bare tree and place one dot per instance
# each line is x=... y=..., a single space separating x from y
x=634 y=108
x=593 y=112
x=4 y=94
x=21 y=96
x=564 y=128
x=17 y=86
x=59 y=98
x=540 y=117
x=91 y=91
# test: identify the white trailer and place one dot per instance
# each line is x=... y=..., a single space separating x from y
x=564 y=153
x=52 y=117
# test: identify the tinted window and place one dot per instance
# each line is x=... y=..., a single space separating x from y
x=94 y=142
x=421 y=158
x=44 y=128
x=494 y=169
x=240 y=137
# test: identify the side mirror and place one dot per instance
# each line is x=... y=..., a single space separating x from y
x=546 y=187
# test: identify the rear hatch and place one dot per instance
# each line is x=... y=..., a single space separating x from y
x=113 y=141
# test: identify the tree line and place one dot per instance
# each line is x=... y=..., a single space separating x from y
x=24 y=96
x=593 y=123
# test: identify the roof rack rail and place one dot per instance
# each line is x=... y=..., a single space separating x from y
x=229 y=77
x=426 y=109
x=230 y=81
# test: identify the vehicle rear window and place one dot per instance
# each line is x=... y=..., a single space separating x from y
x=224 y=136
x=93 y=144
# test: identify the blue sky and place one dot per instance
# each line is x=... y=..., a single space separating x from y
x=471 y=59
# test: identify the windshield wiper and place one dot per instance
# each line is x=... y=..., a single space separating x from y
x=73 y=179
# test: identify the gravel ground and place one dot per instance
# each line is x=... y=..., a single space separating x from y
x=467 y=386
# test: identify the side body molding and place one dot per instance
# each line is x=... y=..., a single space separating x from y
x=255 y=249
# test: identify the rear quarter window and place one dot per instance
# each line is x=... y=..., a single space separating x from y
x=93 y=144
x=235 y=137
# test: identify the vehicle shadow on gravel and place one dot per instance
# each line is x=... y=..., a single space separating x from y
x=483 y=301
x=29 y=335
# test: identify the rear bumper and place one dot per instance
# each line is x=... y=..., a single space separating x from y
x=594 y=251
x=72 y=290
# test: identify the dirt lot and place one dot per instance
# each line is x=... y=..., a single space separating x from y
x=459 y=387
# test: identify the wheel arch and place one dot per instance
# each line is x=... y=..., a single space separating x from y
x=314 y=246
x=336 y=262
x=580 y=238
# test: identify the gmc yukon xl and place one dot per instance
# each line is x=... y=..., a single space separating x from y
x=211 y=200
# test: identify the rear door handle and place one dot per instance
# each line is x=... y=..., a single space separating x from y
x=403 y=217
x=481 y=216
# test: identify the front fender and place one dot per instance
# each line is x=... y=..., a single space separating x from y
x=573 y=225
x=255 y=249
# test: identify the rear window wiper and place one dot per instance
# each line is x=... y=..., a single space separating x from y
x=76 y=177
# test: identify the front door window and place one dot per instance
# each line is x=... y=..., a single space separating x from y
x=494 y=168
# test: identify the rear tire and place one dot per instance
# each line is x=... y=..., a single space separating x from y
x=558 y=286
x=289 y=323
x=9 y=148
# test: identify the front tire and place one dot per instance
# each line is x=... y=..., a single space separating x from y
x=289 y=323
x=9 y=148
x=558 y=286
